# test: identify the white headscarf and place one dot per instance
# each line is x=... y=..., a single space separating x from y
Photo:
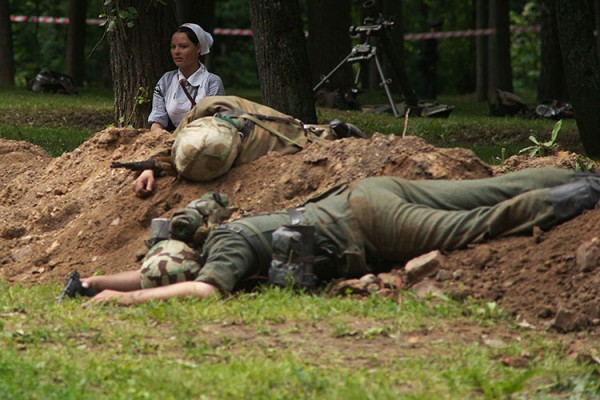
x=204 y=38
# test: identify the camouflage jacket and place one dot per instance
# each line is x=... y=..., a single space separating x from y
x=271 y=130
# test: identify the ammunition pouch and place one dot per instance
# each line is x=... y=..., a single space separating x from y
x=184 y=224
x=293 y=257
x=192 y=223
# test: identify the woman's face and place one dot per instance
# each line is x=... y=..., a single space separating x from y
x=183 y=51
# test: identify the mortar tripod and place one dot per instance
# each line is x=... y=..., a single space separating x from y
x=361 y=53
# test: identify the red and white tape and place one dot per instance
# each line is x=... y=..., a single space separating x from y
x=468 y=33
x=50 y=20
x=248 y=32
x=232 y=32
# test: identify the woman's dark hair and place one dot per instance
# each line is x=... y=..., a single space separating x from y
x=190 y=34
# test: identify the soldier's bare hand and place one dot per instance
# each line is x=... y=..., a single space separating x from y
x=144 y=184
x=110 y=296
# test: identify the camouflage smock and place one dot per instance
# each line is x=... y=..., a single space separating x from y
x=259 y=141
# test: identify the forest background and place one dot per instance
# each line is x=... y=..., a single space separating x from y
x=39 y=46
x=560 y=58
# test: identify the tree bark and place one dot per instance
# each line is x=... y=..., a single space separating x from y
x=481 y=51
x=500 y=70
x=597 y=25
x=76 y=41
x=393 y=42
x=139 y=55
x=580 y=59
x=198 y=12
x=551 y=84
x=329 y=42
x=282 y=58
x=7 y=66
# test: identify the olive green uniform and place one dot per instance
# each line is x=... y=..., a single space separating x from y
x=385 y=220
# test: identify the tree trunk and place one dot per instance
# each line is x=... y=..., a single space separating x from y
x=139 y=55
x=393 y=43
x=198 y=12
x=282 y=58
x=580 y=59
x=329 y=42
x=76 y=41
x=7 y=66
x=551 y=84
x=481 y=51
x=597 y=24
x=500 y=71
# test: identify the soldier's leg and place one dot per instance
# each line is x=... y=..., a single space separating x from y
x=469 y=193
x=395 y=229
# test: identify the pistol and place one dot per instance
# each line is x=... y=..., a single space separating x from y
x=73 y=288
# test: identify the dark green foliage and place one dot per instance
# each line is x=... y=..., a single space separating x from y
x=43 y=46
x=38 y=46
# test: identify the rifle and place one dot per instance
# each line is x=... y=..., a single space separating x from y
x=160 y=165
x=73 y=288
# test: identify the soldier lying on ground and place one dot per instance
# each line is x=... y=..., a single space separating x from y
x=225 y=131
x=370 y=226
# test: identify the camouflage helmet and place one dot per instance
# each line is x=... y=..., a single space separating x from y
x=206 y=148
x=168 y=262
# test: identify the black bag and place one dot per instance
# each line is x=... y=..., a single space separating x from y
x=52 y=82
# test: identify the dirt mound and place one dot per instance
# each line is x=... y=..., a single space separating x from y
x=75 y=212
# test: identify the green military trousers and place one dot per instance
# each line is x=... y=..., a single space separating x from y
x=400 y=219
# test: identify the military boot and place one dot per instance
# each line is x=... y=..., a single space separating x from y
x=570 y=199
x=345 y=130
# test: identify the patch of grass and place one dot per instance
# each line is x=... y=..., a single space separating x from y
x=54 y=140
x=53 y=121
x=274 y=344
x=468 y=126
x=26 y=100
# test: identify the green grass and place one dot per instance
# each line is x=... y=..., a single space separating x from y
x=468 y=126
x=274 y=345
x=54 y=140
x=492 y=139
x=25 y=100
x=47 y=119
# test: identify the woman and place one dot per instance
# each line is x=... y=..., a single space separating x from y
x=178 y=91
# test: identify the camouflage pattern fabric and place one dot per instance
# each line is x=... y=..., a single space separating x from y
x=168 y=262
x=214 y=206
x=260 y=141
x=206 y=148
x=193 y=223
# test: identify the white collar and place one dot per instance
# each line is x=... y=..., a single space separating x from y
x=196 y=78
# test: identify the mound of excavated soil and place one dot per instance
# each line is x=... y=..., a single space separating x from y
x=74 y=212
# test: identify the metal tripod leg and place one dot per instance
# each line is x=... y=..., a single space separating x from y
x=360 y=54
x=333 y=71
x=386 y=87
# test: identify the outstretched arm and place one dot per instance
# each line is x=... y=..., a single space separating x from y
x=123 y=281
x=182 y=289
